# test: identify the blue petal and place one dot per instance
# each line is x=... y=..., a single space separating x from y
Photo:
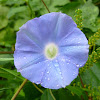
x=75 y=47
x=75 y=38
x=23 y=59
x=41 y=29
x=77 y=54
x=34 y=72
x=69 y=70
x=48 y=28
x=24 y=43
x=65 y=25
x=59 y=73
x=52 y=78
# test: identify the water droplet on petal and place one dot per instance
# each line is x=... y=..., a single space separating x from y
x=80 y=65
x=48 y=72
x=45 y=78
x=24 y=57
x=56 y=64
x=61 y=77
x=56 y=61
x=48 y=79
x=63 y=60
x=37 y=83
x=42 y=73
x=74 y=73
x=67 y=63
x=77 y=65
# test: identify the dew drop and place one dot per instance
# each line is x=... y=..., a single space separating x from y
x=48 y=79
x=48 y=72
x=63 y=60
x=59 y=72
x=56 y=65
x=80 y=65
x=37 y=83
x=24 y=57
x=74 y=73
x=56 y=61
x=42 y=73
x=39 y=62
x=77 y=65
x=61 y=77
x=57 y=85
x=62 y=64
x=45 y=78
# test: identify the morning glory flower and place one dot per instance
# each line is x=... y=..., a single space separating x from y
x=50 y=50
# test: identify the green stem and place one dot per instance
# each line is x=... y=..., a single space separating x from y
x=6 y=52
x=38 y=88
x=52 y=94
x=21 y=86
x=45 y=6
x=6 y=59
x=94 y=47
x=82 y=83
x=31 y=13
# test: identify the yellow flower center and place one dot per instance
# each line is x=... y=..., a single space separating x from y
x=51 y=51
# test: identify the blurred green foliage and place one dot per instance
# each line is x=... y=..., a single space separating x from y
x=14 y=13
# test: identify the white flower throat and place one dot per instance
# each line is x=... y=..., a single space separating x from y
x=51 y=51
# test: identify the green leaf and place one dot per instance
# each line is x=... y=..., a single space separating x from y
x=64 y=94
x=13 y=2
x=19 y=23
x=59 y=2
x=46 y=95
x=31 y=93
x=76 y=90
x=10 y=36
x=70 y=8
x=89 y=13
x=15 y=10
x=98 y=42
x=52 y=5
x=92 y=76
x=10 y=74
x=3 y=16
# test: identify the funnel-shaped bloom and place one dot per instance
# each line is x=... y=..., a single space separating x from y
x=50 y=50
